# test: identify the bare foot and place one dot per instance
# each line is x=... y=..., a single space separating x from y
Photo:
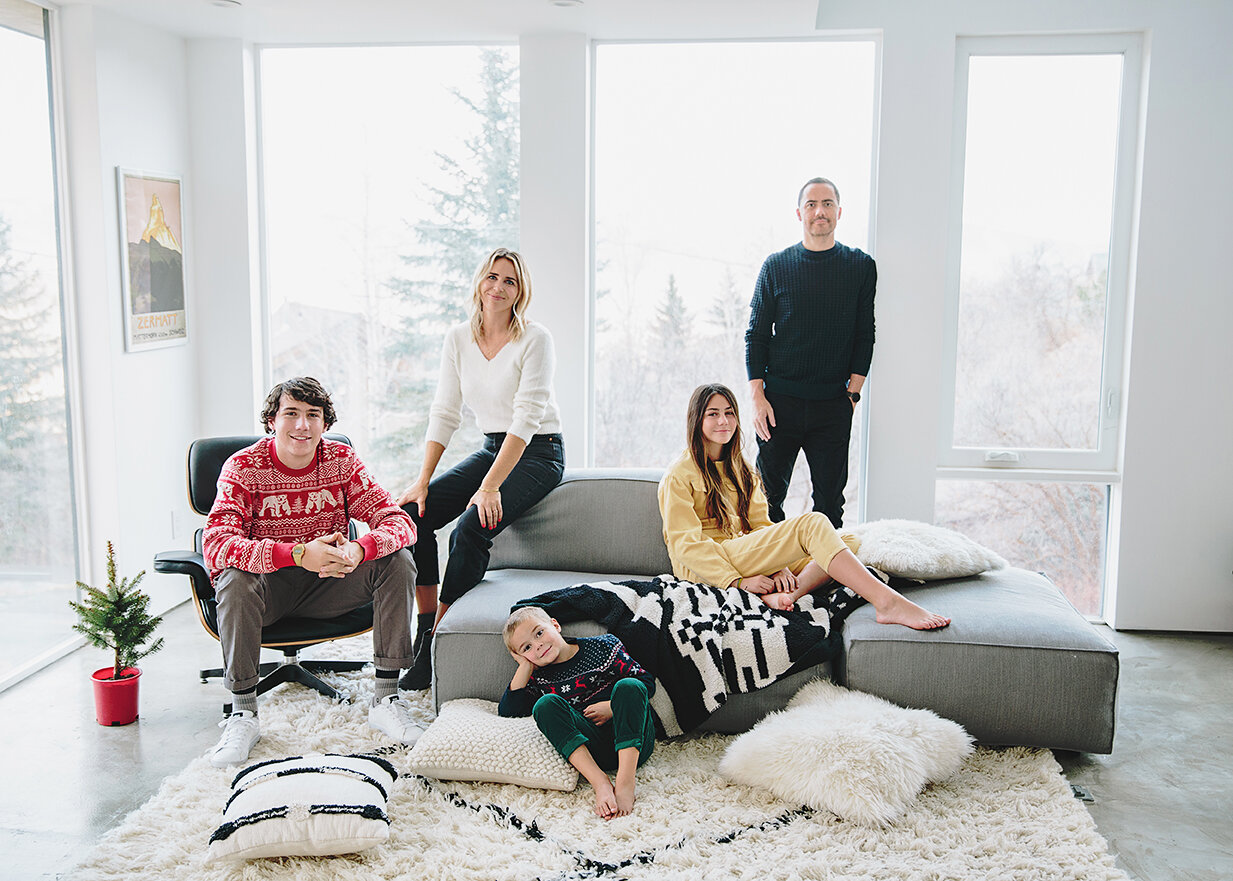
x=901 y=610
x=606 y=802
x=780 y=601
x=624 y=795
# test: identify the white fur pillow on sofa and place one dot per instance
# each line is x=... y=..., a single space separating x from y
x=911 y=549
x=850 y=753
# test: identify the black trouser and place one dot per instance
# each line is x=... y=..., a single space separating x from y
x=537 y=472
x=820 y=428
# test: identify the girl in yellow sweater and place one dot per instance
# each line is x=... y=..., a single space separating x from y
x=718 y=532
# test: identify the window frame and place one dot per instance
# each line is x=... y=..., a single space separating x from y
x=47 y=30
x=1103 y=464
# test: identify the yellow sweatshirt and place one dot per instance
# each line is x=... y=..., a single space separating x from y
x=695 y=540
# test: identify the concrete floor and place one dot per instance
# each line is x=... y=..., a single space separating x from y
x=1163 y=799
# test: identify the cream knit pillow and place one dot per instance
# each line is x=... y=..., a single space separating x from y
x=469 y=741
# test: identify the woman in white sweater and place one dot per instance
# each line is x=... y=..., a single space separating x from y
x=501 y=366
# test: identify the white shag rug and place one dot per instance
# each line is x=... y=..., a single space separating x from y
x=1006 y=814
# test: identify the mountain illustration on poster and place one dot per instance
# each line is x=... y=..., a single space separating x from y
x=156 y=266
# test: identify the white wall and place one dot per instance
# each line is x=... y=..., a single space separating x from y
x=222 y=127
x=555 y=223
x=125 y=104
x=1173 y=555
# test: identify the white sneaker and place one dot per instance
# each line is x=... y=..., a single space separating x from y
x=241 y=731
x=392 y=717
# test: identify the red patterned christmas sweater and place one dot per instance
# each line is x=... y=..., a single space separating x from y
x=263 y=508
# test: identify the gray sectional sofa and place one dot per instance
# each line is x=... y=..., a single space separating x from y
x=1018 y=665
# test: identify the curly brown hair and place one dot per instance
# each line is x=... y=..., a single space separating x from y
x=304 y=389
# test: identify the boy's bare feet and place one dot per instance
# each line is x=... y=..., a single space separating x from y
x=624 y=794
x=900 y=610
x=606 y=801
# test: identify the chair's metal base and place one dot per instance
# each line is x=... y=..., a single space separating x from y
x=292 y=669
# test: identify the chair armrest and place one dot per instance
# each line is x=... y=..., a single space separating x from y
x=188 y=563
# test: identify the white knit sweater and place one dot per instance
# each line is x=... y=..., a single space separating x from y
x=512 y=393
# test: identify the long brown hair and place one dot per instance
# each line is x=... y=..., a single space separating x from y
x=732 y=461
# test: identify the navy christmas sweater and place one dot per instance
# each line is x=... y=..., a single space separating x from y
x=586 y=678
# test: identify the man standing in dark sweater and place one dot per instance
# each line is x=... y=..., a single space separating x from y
x=807 y=352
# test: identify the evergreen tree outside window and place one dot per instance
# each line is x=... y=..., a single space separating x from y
x=389 y=174
x=700 y=150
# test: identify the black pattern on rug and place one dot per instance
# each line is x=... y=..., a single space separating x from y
x=587 y=867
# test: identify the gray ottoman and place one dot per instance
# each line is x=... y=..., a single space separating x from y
x=1017 y=665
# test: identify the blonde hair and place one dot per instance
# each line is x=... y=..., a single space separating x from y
x=516 y=617
x=518 y=318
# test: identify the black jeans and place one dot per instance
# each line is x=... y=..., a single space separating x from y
x=537 y=472
x=820 y=428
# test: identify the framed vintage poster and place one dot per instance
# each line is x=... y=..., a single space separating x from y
x=152 y=259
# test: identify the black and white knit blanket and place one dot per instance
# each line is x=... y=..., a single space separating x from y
x=703 y=643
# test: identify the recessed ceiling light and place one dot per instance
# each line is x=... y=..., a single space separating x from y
x=564 y=3
x=227 y=4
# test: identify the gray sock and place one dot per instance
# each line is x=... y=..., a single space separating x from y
x=387 y=684
x=244 y=700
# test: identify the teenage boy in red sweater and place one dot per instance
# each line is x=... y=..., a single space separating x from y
x=276 y=544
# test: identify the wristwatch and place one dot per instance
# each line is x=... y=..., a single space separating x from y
x=855 y=396
x=297 y=554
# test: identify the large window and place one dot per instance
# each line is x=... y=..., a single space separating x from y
x=388 y=174
x=38 y=556
x=700 y=150
x=1046 y=139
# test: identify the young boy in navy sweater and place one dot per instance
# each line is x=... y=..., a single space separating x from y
x=589 y=697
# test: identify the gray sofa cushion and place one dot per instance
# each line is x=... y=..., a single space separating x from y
x=1017 y=665
x=469 y=657
x=597 y=520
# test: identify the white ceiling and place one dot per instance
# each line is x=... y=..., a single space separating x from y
x=410 y=21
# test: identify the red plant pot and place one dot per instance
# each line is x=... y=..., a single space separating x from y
x=115 y=700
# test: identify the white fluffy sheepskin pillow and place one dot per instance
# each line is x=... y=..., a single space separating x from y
x=469 y=741
x=911 y=549
x=315 y=805
x=853 y=754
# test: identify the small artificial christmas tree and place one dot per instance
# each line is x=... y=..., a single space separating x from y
x=116 y=618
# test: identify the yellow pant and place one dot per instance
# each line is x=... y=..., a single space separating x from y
x=792 y=543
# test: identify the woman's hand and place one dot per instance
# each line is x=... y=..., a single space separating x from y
x=784 y=580
x=758 y=584
x=600 y=713
x=488 y=505
x=416 y=492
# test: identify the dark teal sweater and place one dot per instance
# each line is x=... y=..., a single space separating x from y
x=811 y=321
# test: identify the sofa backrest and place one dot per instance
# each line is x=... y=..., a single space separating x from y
x=602 y=520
